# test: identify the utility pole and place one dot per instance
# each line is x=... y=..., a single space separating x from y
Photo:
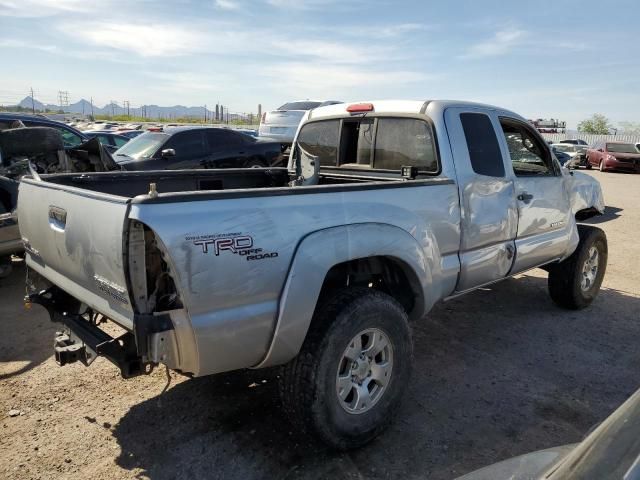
x=113 y=110
x=33 y=105
x=63 y=98
x=125 y=104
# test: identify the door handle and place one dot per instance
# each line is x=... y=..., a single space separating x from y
x=525 y=197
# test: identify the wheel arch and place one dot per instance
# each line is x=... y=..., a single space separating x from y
x=324 y=260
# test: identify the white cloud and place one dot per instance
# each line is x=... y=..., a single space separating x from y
x=44 y=8
x=13 y=43
x=329 y=51
x=150 y=40
x=503 y=42
x=326 y=80
x=227 y=4
x=301 y=4
x=185 y=81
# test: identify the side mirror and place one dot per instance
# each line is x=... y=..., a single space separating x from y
x=168 y=152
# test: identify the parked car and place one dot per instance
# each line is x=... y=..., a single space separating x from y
x=110 y=140
x=282 y=123
x=610 y=451
x=613 y=156
x=577 y=154
x=197 y=147
x=574 y=141
x=385 y=209
x=70 y=136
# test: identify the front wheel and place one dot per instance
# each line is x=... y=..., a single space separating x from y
x=347 y=382
x=587 y=164
x=601 y=166
x=575 y=282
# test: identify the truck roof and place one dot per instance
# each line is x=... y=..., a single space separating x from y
x=401 y=106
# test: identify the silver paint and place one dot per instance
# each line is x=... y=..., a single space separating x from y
x=238 y=313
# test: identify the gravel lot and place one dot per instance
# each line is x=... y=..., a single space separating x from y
x=498 y=373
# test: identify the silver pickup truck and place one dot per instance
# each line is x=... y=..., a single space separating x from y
x=385 y=209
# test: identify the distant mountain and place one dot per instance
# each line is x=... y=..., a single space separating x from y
x=26 y=103
x=151 y=111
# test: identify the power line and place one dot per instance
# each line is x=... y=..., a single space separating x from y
x=63 y=99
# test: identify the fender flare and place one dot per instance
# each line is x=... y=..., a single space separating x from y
x=317 y=253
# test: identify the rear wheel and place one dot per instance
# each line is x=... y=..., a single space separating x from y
x=346 y=384
x=575 y=282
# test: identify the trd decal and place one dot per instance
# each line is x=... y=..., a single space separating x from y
x=241 y=245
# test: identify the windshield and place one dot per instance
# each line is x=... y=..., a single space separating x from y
x=621 y=148
x=143 y=146
x=299 y=106
x=564 y=148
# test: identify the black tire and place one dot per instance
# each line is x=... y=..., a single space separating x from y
x=587 y=164
x=5 y=267
x=29 y=142
x=601 y=166
x=565 y=278
x=308 y=384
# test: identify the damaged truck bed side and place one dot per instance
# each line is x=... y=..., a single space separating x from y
x=386 y=208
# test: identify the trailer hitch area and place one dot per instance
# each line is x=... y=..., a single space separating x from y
x=81 y=340
x=67 y=350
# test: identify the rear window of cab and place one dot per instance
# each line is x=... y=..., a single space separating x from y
x=380 y=143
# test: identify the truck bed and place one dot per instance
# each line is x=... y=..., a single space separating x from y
x=132 y=184
x=213 y=250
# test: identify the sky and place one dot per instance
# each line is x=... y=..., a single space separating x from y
x=546 y=59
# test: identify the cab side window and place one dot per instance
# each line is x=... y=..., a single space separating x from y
x=404 y=142
x=321 y=140
x=529 y=155
x=482 y=143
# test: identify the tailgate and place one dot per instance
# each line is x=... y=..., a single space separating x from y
x=74 y=238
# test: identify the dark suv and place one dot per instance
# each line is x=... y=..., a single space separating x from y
x=178 y=148
x=70 y=136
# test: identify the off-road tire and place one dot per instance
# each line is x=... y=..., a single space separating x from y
x=307 y=384
x=565 y=278
x=29 y=142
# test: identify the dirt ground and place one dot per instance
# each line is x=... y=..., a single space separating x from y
x=498 y=373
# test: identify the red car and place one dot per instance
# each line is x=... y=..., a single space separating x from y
x=613 y=156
